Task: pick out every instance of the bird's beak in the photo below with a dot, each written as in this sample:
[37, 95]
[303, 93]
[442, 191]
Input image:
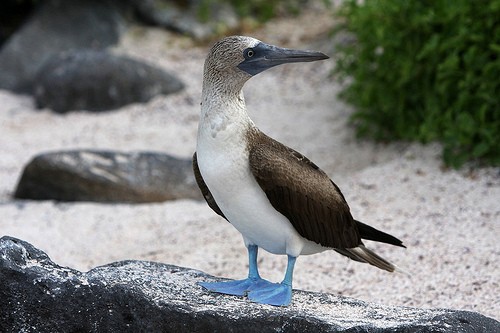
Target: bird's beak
[264, 56]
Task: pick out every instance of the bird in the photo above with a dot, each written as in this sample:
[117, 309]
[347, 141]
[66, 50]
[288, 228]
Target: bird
[278, 199]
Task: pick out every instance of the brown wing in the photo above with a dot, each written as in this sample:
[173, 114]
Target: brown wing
[204, 188]
[303, 193]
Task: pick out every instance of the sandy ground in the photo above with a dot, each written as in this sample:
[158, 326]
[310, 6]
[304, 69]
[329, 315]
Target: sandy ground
[450, 220]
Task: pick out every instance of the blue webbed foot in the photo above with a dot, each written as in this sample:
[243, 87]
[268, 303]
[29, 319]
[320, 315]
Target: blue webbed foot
[257, 289]
[236, 287]
[278, 294]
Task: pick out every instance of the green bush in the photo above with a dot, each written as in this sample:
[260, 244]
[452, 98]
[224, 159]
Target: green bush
[425, 70]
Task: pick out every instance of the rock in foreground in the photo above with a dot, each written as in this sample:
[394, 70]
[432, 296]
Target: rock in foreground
[37, 295]
[106, 176]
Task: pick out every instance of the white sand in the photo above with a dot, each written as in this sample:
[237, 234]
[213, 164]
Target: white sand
[450, 220]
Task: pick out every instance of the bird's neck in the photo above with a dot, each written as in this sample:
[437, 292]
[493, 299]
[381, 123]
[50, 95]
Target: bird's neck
[223, 112]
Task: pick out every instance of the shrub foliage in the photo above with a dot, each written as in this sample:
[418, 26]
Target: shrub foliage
[425, 70]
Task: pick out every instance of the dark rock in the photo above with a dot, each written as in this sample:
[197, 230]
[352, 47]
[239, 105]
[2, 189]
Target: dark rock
[54, 27]
[106, 176]
[198, 19]
[37, 295]
[13, 13]
[98, 80]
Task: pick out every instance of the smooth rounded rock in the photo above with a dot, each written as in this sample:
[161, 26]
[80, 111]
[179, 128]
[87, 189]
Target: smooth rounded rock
[98, 80]
[106, 176]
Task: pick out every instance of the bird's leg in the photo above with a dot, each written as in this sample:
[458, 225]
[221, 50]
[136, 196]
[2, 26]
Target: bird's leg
[241, 287]
[279, 294]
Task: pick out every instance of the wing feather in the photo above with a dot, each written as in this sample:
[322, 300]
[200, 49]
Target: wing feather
[302, 192]
[204, 188]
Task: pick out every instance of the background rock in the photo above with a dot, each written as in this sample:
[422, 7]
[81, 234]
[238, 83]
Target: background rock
[54, 27]
[106, 176]
[13, 13]
[185, 16]
[36, 295]
[98, 80]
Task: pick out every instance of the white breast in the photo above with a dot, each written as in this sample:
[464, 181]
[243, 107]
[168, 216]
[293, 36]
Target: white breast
[223, 162]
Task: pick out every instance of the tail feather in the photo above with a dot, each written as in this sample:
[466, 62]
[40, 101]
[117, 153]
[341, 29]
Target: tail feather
[370, 233]
[363, 254]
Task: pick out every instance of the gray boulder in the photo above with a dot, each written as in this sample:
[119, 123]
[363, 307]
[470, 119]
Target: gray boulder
[199, 19]
[57, 26]
[97, 80]
[37, 295]
[106, 176]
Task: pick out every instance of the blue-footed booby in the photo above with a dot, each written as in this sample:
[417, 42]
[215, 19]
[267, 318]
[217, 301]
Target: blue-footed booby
[274, 196]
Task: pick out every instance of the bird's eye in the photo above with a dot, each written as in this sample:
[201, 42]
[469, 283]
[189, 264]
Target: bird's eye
[250, 53]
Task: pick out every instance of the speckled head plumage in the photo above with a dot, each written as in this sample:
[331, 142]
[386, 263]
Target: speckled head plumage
[226, 54]
[223, 60]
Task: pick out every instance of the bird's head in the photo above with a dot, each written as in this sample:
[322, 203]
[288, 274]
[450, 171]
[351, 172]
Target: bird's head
[238, 58]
